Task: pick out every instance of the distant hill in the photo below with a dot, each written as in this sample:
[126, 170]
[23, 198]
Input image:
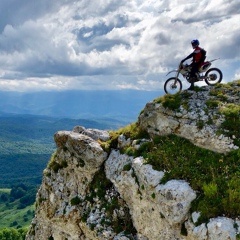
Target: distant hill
[122, 105]
[26, 144]
[28, 122]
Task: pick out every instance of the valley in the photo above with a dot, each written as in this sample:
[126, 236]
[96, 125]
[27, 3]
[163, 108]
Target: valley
[26, 145]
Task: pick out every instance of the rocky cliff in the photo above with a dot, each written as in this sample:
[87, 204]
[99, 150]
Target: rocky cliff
[121, 185]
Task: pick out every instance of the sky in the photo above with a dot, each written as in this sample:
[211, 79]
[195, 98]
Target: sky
[49, 45]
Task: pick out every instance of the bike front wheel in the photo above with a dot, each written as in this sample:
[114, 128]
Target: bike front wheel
[170, 87]
[213, 76]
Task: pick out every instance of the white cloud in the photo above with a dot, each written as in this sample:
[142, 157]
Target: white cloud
[109, 44]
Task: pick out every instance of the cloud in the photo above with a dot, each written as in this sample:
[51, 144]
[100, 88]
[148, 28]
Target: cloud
[110, 44]
[15, 12]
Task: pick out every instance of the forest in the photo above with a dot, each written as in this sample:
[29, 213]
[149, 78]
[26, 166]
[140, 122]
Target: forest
[26, 145]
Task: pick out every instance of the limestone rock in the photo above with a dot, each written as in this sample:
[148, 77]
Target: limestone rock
[65, 183]
[88, 193]
[93, 133]
[158, 120]
[175, 198]
[221, 228]
[164, 206]
[157, 211]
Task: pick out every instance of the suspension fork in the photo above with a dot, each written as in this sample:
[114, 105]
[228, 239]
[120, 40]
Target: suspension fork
[176, 78]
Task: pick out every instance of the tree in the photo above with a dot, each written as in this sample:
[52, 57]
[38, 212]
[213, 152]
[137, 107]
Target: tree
[4, 197]
[11, 234]
[17, 192]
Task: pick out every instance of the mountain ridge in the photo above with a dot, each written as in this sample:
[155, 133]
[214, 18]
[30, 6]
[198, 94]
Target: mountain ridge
[124, 104]
[174, 174]
[27, 141]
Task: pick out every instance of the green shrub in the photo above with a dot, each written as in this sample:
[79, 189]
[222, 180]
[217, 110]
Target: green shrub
[210, 190]
[131, 131]
[172, 102]
[153, 195]
[231, 201]
[231, 125]
[129, 151]
[127, 167]
[143, 149]
[200, 124]
[212, 103]
[199, 89]
[54, 165]
[75, 201]
[13, 234]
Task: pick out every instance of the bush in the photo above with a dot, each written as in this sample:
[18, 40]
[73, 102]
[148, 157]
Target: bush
[17, 192]
[230, 127]
[172, 102]
[75, 201]
[13, 234]
[4, 197]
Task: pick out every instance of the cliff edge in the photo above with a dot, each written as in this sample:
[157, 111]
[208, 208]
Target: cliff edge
[174, 174]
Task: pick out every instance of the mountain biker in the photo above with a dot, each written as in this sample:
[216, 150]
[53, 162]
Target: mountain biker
[198, 55]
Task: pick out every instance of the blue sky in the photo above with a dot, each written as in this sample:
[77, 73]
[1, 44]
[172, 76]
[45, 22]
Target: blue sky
[111, 44]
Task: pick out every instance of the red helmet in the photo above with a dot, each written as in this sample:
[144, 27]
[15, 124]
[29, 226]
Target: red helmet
[195, 43]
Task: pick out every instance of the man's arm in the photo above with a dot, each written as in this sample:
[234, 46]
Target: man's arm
[189, 56]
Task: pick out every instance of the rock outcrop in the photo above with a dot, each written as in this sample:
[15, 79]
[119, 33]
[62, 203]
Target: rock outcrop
[195, 119]
[90, 193]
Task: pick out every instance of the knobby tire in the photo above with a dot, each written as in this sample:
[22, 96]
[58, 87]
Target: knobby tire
[169, 85]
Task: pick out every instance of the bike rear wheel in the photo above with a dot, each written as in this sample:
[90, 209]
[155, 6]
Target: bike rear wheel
[213, 76]
[170, 87]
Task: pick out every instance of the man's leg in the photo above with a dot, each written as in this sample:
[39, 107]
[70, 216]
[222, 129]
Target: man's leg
[193, 75]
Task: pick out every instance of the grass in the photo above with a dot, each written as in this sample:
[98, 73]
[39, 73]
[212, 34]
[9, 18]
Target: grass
[215, 177]
[5, 190]
[230, 127]
[13, 212]
[11, 216]
[131, 131]
[170, 101]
